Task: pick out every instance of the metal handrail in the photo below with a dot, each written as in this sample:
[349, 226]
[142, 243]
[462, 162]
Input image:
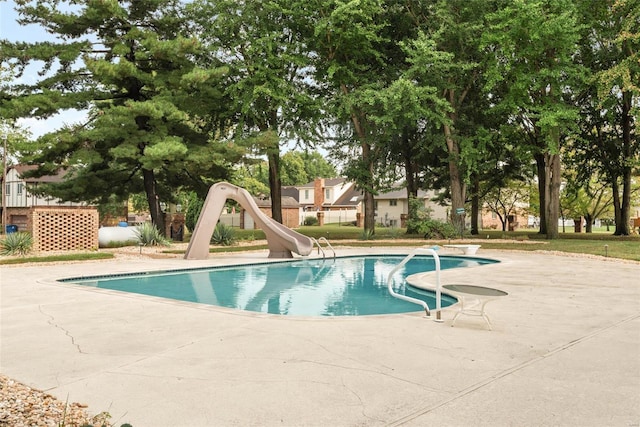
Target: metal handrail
[319, 247]
[424, 305]
[324, 239]
[317, 242]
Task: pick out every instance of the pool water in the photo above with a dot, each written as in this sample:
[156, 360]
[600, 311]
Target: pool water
[346, 286]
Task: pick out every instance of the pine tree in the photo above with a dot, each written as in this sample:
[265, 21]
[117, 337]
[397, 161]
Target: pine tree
[153, 115]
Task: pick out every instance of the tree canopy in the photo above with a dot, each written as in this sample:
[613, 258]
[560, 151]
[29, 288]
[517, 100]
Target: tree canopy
[464, 96]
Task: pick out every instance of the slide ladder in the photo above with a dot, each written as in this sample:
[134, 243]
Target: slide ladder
[390, 282]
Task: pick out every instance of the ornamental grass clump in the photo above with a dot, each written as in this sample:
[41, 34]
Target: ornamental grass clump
[19, 243]
[223, 235]
[149, 235]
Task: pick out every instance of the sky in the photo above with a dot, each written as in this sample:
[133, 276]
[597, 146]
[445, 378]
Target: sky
[12, 31]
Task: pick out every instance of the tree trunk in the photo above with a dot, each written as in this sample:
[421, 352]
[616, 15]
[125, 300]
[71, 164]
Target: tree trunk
[589, 220]
[542, 185]
[275, 185]
[552, 194]
[458, 188]
[617, 211]
[410, 168]
[157, 216]
[623, 227]
[475, 206]
[369, 203]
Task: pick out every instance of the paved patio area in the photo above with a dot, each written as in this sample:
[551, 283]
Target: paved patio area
[564, 351]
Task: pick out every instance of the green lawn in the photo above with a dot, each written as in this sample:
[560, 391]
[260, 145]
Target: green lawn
[601, 243]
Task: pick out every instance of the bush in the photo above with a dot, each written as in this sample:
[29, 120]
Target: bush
[19, 243]
[434, 229]
[223, 235]
[194, 206]
[310, 220]
[149, 235]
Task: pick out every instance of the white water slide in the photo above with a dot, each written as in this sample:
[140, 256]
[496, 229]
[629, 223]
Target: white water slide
[281, 239]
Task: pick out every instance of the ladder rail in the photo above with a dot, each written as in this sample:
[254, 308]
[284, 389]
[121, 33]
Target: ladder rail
[321, 249]
[325, 240]
[315, 241]
[391, 281]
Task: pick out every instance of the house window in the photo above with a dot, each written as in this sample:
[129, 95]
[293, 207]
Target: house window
[375, 205]
[306, 194]
[20, 186]
[393, 202]
[327, 194]
[7, 189]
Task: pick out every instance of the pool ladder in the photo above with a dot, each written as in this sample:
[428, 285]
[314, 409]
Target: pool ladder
[320, 249]
[390, 282]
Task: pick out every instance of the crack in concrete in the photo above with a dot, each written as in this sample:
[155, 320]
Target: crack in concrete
[51, 321]
[511, 370]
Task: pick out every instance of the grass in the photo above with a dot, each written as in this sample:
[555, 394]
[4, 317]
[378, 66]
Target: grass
[601, 243]
[59, 258]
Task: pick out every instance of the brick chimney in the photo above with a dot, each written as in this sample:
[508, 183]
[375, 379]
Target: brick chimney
[318, 193]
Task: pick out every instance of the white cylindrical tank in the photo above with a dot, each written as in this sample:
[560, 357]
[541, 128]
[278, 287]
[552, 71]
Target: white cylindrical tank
[107, 235]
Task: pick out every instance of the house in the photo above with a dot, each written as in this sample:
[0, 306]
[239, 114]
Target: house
[340, 201]
[53, 224]
[329, 194]
[19, 199]
[392, 207]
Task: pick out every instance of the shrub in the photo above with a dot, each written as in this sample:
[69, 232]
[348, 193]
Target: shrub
[434, 229]
[310, 220]
[149, 235]
[19, 243]
[194, 206]
[223, 235]
[418, 215]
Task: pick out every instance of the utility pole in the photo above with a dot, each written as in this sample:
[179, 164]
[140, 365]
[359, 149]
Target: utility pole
[4, 184]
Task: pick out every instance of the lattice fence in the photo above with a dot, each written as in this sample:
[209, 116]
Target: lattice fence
[62, 229]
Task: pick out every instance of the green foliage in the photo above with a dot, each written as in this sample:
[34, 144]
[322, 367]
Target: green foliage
[153, 111]
[223, 235]
[435, 229]
[420, 222]
[19, 243]
[193, 208]
[367, 235]
[149, 235]
[418, 214]
[310, 220]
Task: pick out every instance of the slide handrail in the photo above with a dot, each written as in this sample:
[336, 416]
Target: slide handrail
[424, 305]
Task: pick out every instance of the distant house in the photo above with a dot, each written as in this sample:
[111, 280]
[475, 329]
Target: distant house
[54, 224]
[340, 200]
[392, 207]
[327, 194]
[19, 194]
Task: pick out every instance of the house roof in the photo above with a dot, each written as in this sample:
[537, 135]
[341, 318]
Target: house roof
[291, 191]
[287, 202]
[351, 197]
[21, 169]
[328, 182]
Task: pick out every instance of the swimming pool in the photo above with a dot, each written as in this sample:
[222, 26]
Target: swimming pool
[345, 286]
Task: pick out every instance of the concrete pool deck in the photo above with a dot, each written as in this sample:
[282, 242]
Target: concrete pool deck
[564, 351]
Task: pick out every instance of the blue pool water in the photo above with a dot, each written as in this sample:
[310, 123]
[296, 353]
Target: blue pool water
[349, 286]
